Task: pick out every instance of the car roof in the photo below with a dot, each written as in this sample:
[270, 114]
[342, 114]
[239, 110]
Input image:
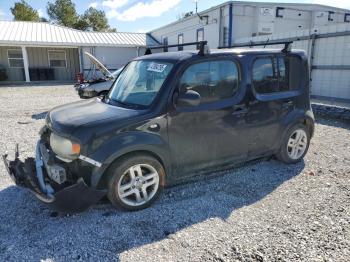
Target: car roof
[184, 55]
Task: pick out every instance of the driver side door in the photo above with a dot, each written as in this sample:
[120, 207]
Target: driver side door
[211, 133]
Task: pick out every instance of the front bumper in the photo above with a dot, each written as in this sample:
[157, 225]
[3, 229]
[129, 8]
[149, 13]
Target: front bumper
[32, 174]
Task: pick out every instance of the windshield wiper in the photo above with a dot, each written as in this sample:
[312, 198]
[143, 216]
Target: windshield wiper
[126, 105]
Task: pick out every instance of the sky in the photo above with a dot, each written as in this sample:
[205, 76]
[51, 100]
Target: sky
[144, 15]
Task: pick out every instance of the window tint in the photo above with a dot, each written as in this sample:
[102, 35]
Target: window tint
[290, 79]
[283, 74]
[264, 79]
[213, 80]
[277, 75]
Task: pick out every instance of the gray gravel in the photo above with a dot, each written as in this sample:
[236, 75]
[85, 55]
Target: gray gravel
[264, 211]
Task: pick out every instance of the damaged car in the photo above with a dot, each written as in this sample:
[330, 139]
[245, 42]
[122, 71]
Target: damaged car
[100, 86]
[168, 117]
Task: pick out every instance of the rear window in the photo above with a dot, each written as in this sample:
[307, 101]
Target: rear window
[276, 74]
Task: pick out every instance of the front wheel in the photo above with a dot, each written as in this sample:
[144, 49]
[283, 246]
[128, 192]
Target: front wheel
[135, 182]
[294, 145]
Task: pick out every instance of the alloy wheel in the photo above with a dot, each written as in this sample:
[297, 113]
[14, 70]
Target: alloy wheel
[138, 185]
[297, 144]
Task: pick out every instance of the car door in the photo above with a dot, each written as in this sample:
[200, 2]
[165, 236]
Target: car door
[271, 102]
[211, 133]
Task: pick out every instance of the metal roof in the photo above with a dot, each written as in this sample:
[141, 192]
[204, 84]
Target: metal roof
[45, 34]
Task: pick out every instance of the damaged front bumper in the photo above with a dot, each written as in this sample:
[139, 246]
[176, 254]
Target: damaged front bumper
[32, 174]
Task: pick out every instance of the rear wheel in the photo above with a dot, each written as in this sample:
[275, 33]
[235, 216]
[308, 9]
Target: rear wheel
[135, 182]
[295, 145]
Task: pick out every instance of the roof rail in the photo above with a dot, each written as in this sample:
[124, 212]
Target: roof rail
[202, 46]
[287, 45]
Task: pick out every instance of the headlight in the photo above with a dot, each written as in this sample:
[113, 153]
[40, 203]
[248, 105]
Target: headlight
[64, 147]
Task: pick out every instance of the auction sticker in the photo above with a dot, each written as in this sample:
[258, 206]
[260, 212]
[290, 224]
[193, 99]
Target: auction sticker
[155, 67]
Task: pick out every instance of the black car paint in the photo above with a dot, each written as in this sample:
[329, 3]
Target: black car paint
[184, 140]
[244, 127]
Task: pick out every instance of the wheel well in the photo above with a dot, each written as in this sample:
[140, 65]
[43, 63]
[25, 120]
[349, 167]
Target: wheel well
[102, 184]
[308, 123]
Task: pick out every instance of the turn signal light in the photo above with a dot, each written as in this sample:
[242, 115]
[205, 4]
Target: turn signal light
[76, 148]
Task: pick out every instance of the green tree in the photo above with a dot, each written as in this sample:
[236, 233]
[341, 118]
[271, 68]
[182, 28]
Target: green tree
[96, 20]
[81, 24]
[24, 12]
[63, 12]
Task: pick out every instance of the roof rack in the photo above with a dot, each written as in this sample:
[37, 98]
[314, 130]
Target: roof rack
[287, 45]
[202, 46]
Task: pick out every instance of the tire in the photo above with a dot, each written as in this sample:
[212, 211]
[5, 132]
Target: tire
[129, 190]
[295, 145]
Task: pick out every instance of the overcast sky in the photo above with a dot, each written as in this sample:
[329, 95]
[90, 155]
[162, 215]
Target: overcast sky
[144, 15]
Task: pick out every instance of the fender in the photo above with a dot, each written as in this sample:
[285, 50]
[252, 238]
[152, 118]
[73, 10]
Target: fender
[295, 117]
[125, 143]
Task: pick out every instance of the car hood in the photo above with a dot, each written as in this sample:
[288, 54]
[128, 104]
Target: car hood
[66, 119]
[99, 65]
[100, 86]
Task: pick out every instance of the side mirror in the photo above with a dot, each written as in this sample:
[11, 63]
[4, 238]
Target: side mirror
[189, 98]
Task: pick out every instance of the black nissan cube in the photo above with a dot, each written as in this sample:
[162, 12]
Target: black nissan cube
[167, 117]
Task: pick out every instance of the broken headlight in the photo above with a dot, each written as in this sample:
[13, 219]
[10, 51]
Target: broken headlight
[64, 148]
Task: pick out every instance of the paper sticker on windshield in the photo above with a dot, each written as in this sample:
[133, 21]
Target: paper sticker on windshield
[155, 67]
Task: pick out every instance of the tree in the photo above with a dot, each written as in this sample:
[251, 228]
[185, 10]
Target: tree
[96, 20]
[63, 12]
[24, 12]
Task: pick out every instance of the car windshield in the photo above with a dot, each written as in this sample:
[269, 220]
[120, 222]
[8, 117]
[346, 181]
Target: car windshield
[139, 83]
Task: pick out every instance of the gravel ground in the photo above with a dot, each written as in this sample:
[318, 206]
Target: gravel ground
[265, 211]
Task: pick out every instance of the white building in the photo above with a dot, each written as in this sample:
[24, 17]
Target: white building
[322, 31]
[223, 24]
[34, 51]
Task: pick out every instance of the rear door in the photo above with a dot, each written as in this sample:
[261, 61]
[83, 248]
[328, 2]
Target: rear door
[275, 88]
[211, 133]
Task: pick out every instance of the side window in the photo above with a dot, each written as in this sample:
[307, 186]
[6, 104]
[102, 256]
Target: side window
[15, 58]
[290, 72]
[213, 80]
[264, 78]
[277, 75]
[283, 74]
